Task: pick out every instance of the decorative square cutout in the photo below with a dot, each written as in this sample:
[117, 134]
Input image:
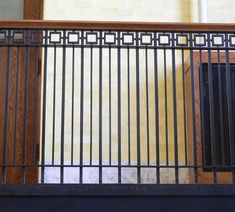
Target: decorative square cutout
[55, 37]
[232, 40]
[109, 38]
[36, 37]
[146, 39]
[217, 40]
[73, 37]
[199, 40]
[91, 38]
[181, 40]
[128, 39]
[164, 39]
[3, 36]
[18, 36]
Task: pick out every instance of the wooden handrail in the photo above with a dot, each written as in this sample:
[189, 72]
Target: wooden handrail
[148, 26]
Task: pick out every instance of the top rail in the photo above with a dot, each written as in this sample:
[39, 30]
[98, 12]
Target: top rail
[115, 25]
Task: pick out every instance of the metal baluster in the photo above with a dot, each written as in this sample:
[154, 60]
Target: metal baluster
[203, 128]
[25, 131]
[147, 103]
[128, 106]
[100, 108]
[119, 109]
[72, 107]
[63, 109]
[110, 107]
[36, 94]
[166, 107]
[16, 105]
[6, 119]
[54, 105]
[44, 109]
[175, 113]
[221, 108]
[193, 110]
[81, 109]
[91, 105]
[156, 110]
[229, 105]
[212, 111]
[184, 109]
[138, 109]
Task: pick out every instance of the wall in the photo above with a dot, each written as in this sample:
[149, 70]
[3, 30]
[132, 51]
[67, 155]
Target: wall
[11, 9]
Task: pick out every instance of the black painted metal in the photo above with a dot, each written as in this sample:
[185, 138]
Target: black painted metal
[145, 54]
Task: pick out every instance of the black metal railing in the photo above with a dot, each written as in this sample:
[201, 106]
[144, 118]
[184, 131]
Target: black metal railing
[91, 105]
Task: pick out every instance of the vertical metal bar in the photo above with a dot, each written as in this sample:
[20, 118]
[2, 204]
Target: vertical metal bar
[184, 109]
[44, 109]
[25, 132]
[63, 109]
[138, 109]
[119, 108]
[72, 109]
[54, 105]
[175, 113]
[147, 103]
[110, 107]
[156, 110]
[81, 109]
[193, 110]
[91, 105]
[35, 106]
[166, 107]
[212, 111]
[100, 107]
[16, 106]
[221, 108]
[229, 105]
[202, 110]
[128, 106]
[6, 120]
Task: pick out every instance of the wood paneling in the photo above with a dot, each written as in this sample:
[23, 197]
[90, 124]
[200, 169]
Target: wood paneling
[20, 148]
[203, 177]
[33, 10]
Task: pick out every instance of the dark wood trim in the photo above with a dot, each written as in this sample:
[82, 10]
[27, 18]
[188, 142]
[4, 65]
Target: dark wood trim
[60, 24]
[33, 10]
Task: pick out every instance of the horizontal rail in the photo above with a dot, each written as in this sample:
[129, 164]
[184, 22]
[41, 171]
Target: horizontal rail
[117, 190]
[116, 25]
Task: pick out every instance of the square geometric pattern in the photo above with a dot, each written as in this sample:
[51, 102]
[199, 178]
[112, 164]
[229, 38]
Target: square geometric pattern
[3, 37]
[18, 37]
[117, 38]
[73, 38]
[55, 37]
[164, 39]
[91, 38]
[231, 40]
[217, 40]
[110, 38]
[200, 39]
[127, 38]
[146, 39]
[36, 37]
[182, 39]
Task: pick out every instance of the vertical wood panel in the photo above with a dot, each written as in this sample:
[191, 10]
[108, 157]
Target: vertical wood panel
[32, 10]
[204, 177]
